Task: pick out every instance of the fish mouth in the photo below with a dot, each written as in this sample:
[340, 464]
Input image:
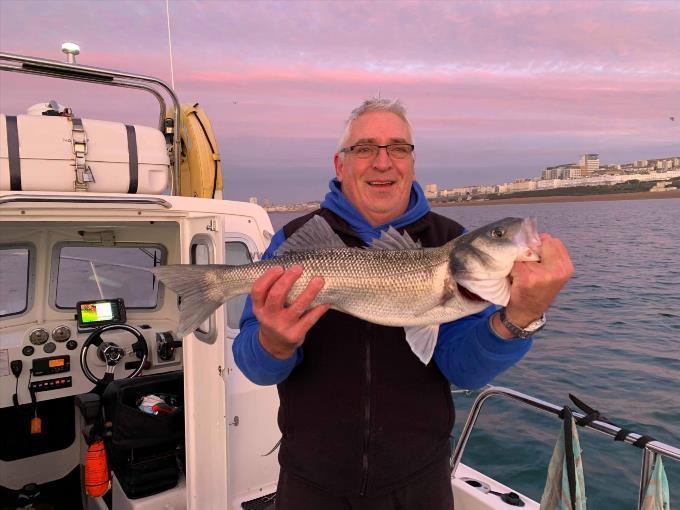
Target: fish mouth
[529, 241]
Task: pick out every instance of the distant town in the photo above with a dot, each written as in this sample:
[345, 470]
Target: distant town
[585, 177]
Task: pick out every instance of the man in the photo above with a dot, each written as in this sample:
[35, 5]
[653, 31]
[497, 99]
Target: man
[365, 425]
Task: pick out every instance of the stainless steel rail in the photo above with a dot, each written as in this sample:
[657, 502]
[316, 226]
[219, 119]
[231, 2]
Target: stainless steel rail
[650, 450]
[88, 198]
[55, 69]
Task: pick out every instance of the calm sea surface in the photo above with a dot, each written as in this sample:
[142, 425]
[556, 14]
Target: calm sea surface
[613, 340]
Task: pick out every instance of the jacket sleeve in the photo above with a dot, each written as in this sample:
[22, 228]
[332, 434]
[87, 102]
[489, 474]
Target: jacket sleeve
[251, 358]
[470, 354]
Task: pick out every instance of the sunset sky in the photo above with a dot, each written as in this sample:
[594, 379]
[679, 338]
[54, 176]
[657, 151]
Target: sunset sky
[495, 90]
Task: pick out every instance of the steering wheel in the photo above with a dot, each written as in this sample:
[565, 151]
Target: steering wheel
[112, 353]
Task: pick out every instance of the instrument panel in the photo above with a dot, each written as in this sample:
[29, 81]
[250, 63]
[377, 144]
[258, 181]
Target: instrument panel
[44, 359]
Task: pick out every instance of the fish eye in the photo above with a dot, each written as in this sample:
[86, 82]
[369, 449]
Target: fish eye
[498, 232]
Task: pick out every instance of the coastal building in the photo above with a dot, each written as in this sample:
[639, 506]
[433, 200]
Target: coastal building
[565, 171]
[431, 191]
[521, 185]
[610, 170]
[664, 164]
[609, 180]
[518, 185]
[588, 172]
[571, 175]
[590, 164]
[293, 207]
[468, 192]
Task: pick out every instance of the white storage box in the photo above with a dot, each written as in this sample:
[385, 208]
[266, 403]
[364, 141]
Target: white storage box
[37, 154]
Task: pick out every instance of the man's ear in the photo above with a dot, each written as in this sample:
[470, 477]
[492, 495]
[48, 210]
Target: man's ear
[339, 163]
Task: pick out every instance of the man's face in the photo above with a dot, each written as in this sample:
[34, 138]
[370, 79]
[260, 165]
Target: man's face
[378, 187]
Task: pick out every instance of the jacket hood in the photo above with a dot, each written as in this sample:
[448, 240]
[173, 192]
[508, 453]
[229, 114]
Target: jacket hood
[337, 202]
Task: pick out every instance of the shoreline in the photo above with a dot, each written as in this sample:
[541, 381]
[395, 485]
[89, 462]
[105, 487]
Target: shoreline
[645, 195]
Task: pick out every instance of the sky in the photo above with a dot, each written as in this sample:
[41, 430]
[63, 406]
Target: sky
[495, 91]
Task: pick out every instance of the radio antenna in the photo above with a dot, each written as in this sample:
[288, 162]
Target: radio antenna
[172, 70]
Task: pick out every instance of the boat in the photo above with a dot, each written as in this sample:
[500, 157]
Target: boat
[89, 361]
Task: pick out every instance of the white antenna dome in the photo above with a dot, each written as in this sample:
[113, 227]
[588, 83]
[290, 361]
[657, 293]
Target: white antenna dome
[71, 49]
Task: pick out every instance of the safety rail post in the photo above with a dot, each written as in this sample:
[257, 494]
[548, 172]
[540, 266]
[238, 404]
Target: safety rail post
[648, 459]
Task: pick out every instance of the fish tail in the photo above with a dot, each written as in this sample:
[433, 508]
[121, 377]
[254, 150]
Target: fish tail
[200, 290]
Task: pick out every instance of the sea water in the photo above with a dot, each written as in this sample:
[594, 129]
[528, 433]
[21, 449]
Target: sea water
[612, 340]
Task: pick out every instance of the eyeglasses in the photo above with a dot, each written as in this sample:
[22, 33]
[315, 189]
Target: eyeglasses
[371, 150]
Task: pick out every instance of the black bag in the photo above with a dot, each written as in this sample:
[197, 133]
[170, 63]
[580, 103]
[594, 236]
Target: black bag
[145, 451]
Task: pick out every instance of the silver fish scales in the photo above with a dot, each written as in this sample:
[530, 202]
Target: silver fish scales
[395, 283]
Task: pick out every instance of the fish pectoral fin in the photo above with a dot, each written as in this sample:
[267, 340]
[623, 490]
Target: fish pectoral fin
[313, 235]
[391, 239]
[422, 340]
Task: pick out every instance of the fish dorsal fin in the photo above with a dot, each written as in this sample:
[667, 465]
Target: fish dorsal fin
[313, 235]
[391, 239]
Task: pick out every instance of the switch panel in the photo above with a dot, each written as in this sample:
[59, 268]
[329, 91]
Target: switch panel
[51, 384]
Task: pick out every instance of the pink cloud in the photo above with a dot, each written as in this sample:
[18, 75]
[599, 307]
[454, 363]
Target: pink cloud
[517, 78]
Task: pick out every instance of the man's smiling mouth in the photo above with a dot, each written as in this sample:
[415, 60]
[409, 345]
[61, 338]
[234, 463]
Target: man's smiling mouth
[380, 183]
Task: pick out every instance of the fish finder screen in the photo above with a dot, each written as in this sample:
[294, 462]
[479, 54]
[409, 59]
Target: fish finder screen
[96, 312]
[101, 312]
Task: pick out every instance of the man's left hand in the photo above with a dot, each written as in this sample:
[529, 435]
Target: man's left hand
[534, 285]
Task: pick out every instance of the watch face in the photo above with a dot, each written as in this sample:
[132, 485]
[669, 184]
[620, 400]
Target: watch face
[536, 325]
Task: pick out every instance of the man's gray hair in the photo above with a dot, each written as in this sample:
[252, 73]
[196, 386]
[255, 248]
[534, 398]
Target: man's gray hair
[374, 104]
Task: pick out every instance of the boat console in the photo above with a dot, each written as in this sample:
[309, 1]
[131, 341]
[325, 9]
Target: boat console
[48, 358]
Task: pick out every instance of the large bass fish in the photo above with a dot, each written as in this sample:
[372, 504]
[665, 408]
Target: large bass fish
[394, 282]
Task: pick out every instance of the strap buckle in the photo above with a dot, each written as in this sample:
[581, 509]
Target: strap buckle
[79, 144]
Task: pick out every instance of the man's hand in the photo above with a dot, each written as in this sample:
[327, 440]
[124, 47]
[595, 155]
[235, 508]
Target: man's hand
[283, 328]
[535, 284]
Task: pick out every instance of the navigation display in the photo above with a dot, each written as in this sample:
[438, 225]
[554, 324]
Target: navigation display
[92, 314]
[96, 312]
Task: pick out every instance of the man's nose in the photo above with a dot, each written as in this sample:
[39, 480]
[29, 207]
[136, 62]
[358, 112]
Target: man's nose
[382, 159]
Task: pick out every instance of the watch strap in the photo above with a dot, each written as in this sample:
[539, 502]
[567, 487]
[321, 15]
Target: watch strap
[526, 332]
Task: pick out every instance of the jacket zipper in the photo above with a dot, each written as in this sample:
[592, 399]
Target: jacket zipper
[367, 414]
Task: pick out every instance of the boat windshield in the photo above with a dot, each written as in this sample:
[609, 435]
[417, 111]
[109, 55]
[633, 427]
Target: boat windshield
[14, 265]
[106, 272]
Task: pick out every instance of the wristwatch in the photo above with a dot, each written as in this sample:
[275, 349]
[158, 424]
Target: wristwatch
[525, 332]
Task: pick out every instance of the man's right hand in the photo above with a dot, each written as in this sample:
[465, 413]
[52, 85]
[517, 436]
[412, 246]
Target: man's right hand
[283, 328]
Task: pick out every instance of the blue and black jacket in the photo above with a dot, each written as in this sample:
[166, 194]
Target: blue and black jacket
[359, 413]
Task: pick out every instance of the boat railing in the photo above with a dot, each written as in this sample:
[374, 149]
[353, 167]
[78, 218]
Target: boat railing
[90, 198]
[650, 449]
[71, 71]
